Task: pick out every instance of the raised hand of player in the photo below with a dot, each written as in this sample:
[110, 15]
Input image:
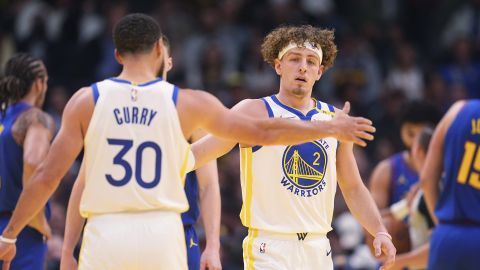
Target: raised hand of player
[210, 260]
[383, 244]
[352, 129]
[7, 253]
[68, 262]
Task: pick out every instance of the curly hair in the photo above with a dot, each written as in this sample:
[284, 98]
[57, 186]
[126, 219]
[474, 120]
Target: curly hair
[280, 37]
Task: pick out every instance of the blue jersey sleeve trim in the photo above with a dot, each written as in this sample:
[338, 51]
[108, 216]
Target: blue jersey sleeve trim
[175, 95]
[269, 109]
[96, 94]
[331, 108]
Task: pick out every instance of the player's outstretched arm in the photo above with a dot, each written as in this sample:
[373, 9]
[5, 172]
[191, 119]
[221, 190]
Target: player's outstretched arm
[74, 223]
[432, 170]
[211, 147]
[46, 178]
[198, 109]
[361, 204]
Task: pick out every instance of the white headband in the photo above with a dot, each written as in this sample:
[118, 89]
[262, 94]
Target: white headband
[308, 45]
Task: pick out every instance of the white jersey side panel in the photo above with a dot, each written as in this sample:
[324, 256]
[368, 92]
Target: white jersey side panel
[135, 152]
[290, 189]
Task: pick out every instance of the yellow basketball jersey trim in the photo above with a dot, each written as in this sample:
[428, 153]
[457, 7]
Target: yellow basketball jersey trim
[248, 249]
[242, 180]
[246, 156]
[320, 110]
[325, 112]
[183, 170]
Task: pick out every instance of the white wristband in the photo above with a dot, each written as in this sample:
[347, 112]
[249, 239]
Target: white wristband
[7, 240]
[400, 209]
[384, 234]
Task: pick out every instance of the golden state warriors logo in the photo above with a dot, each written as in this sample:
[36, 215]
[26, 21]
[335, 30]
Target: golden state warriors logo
[304, 167]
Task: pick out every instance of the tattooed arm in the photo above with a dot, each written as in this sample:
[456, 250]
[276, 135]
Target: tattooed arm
[33, 118]
[34, 130]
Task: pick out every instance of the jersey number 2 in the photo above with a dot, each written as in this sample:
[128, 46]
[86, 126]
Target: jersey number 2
[119, 160]
[471, 155]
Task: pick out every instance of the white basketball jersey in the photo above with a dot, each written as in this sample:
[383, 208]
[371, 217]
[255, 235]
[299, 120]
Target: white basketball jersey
[290, 189]
[135, 152]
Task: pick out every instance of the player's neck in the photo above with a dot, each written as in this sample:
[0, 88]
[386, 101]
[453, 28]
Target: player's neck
[302, 103]
[138, 72]
[30, 99]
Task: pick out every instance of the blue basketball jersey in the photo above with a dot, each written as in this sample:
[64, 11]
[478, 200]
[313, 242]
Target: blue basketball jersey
[191, 190]
[459, 200]
[11, 159]
[402, 178]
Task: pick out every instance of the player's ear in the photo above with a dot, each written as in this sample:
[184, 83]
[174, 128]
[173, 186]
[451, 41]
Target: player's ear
[278, 66]
[320, 72]
[118, 57]
[169, 64]
[37, 85]
[158, 47]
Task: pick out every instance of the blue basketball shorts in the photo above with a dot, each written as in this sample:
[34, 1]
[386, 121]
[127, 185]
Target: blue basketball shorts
[454, 247]
[31, 249]
[193, 248]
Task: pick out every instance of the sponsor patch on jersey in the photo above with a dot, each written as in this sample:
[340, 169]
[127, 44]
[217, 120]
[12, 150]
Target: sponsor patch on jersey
[304, 168]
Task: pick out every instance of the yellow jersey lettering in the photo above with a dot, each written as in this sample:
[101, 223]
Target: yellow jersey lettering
[466, 171]
[475, 126]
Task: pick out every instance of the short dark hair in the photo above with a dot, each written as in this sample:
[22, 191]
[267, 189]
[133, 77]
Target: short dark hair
[136, 33]
[20, 72]
[419, 112]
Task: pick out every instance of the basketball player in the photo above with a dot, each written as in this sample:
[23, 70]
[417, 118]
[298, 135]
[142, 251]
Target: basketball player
[393, 177]
[134, 129]
[454, 157]
[200, 185]
[288, 191]
[25, 135]
[420, 222]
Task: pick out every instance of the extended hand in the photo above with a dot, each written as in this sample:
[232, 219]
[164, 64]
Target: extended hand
[7, 252]
[352, 129]
[210, 260]
[383, 244]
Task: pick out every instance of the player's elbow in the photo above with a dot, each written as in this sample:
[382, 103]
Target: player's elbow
[43, 179]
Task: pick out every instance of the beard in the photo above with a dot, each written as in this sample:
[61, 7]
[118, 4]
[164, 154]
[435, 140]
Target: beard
[41, 99]
[298, 91]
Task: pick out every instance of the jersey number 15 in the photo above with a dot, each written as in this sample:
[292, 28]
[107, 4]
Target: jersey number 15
[466, 171]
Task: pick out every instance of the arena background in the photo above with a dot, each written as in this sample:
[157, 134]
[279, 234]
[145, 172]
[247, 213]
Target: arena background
[390, 52]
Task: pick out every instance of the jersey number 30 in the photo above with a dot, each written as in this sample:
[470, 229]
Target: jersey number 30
[471, 155]
[119, 160]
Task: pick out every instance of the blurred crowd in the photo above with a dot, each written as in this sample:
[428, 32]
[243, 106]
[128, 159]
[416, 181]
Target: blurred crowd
[390, 52]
